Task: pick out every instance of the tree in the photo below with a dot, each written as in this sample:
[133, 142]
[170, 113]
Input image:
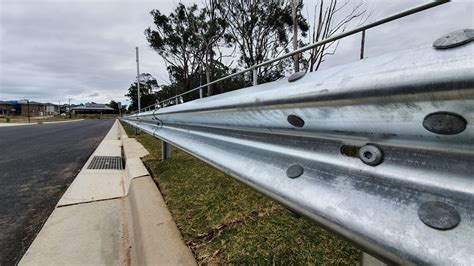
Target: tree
[294, 17]
[174, 39]
[330, 20]
[211, 33]
[113, 104]
[148, 95]
[260, 30]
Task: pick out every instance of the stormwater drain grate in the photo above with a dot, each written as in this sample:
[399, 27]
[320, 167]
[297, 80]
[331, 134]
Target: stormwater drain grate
[106, 162]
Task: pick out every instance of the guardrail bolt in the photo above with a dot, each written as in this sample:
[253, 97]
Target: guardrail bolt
[295, 121]
[371, 155]
[444, 123]
[439, 215]
[296, 76]
[294, 171]
[454, 39]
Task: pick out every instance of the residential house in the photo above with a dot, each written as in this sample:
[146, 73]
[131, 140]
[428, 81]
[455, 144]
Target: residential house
[51, 109]
[6, 109]
[93, 108]
[34, 108]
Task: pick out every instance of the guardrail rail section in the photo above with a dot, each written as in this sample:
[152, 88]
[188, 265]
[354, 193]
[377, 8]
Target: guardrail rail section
[379, 151]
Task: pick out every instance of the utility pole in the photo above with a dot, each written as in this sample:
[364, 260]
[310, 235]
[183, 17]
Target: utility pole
[362, 45]
[69, 108]
[138, 79]
[28, 104]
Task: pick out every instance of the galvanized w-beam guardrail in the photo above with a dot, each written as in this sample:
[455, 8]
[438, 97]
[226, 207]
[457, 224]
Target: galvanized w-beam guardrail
[380, 151]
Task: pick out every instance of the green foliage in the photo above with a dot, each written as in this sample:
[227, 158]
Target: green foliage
[195, 41]
[174, 40]
[114, 104]
[147, 94]
[261, 31]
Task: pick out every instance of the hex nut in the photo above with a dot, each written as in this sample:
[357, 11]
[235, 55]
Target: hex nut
[371, 155]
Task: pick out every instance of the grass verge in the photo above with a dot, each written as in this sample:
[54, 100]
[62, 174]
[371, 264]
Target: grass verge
[224, 221]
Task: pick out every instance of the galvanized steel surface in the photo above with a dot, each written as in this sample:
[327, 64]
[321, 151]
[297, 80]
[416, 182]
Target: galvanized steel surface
[382, 104]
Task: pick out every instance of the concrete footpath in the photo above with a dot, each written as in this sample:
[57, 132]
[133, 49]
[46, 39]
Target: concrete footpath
[36, 123]
[111, 216]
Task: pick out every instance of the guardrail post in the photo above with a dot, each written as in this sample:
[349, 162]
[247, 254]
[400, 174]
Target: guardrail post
[200, 93]
[165, 150]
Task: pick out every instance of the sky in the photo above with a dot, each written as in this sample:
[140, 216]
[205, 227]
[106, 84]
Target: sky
[53, 50]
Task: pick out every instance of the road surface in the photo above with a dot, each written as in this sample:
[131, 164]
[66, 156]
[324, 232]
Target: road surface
[37, 164]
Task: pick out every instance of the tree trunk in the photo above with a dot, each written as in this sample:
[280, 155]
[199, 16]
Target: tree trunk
[296, 57]
[209, 73]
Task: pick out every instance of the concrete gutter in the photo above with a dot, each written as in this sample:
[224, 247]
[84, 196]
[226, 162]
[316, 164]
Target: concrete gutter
[111, 217]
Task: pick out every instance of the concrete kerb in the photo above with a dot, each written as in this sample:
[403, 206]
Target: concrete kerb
[109, 217]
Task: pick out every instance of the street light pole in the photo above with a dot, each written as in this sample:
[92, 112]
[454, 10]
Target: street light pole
[138, 79]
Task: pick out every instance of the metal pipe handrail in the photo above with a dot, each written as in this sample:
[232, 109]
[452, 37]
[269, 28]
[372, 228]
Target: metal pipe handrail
[384, 20]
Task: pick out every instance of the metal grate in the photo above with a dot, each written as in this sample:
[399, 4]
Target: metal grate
[106, 162]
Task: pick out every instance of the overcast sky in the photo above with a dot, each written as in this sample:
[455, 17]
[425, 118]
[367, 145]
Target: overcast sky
[85, 50]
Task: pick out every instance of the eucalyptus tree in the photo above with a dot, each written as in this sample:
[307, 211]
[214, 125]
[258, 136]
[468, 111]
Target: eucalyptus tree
[148, 92]
[331, 18]
[174, 39]
[261, 30]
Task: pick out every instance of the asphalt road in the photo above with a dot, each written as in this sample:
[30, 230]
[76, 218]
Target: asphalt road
[37, 164]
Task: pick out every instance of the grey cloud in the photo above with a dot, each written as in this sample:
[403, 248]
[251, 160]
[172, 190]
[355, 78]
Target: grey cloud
[53, 50]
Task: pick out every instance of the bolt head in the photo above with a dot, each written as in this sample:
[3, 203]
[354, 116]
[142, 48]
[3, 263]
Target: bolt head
[296, 76]
[444, 123]
[439, 215]
[295, 120]
[294, 171]
[454, 39]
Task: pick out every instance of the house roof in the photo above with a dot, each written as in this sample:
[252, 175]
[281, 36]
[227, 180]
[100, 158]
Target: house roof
[32, 103]
[94, 106]
[3, 102]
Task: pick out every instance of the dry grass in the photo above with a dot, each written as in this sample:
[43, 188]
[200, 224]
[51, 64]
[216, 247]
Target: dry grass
[224, 221]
